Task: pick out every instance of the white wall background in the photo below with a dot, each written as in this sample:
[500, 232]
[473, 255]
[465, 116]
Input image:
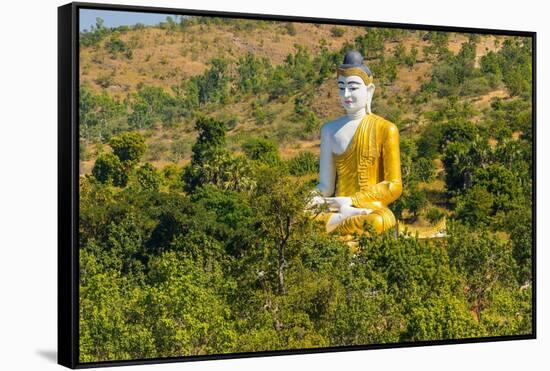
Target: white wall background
[28, 183]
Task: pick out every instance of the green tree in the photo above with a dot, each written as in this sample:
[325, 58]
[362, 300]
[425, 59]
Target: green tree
[509, 312]
[151, 104]
[148, 178]
[260, 149]
[281, 202]
[100, 115]
[96, 33]
[502, 184]
[109, 169]
[519, 224]
[185, 313]
[428, 141]
[212, 164]
[128, 147]
[440, 317]
[416, 201]
[484, 260]
[462, 159]
[252, 73]
[475, 206]
[142, 115]
[371, 44]
[303, 163]
[424, 170]
[210, 139]
[109, 306]
[213, 85]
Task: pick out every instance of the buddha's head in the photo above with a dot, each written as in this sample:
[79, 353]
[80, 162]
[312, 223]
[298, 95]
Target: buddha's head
[355, 83]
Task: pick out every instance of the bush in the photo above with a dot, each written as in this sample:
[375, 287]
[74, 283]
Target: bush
[156, 150]
[262, 115]
[148, 178]
[290, 28]
[476, 86]
[303, 163]
[179, 149]
[474, 207]
[434, 215]
[105, 80]
[337, 31]
[424, 170]
[264, 150]
[128, 147]
[311, 126]
[109, 169]
[115, 45]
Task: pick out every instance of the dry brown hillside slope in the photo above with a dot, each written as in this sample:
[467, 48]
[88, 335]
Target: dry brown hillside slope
[164, 58]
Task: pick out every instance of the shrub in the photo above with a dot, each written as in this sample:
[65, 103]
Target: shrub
[337, 31]
[263, 150]
[434, 215]
[148, 177]
[109, 169]
[128, 147]
[179, 149]
[105, 80]
[424, 170]
[303, 163]
[476, 86]
[290, 28]
[156, 150]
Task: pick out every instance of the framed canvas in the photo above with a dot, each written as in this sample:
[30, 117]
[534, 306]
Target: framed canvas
[236, 185]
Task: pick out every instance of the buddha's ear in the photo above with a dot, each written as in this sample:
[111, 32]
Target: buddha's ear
[370, 89]
[370, 93]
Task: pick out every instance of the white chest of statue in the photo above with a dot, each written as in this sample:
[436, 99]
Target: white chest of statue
[343, 134]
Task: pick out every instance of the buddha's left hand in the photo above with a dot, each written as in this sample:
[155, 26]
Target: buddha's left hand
[338, 202]
[348, 211]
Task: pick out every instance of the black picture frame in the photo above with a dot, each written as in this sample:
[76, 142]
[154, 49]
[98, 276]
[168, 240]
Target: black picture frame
[68, 178]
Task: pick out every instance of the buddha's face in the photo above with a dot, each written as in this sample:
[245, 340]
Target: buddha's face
[354, 94]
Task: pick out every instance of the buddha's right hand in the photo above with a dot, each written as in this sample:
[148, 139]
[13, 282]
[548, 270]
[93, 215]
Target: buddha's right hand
[315, 201]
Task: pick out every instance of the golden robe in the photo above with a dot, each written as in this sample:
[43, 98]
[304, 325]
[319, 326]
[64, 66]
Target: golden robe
[369, 171]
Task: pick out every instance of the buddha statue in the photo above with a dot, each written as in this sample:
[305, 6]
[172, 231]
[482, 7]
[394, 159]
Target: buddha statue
[360, 170]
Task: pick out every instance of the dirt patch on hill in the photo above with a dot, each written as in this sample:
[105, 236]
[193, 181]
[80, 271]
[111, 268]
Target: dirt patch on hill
[485, 100]
[486, 44]
[412, 78]
[301, 146]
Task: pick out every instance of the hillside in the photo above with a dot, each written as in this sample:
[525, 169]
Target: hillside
[164, 58]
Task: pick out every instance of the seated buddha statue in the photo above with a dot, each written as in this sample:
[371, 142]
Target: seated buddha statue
[360, 171]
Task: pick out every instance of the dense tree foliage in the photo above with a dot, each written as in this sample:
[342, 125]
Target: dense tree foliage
[221, 269]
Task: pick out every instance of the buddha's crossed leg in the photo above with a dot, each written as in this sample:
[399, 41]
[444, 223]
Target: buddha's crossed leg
[380, 219]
